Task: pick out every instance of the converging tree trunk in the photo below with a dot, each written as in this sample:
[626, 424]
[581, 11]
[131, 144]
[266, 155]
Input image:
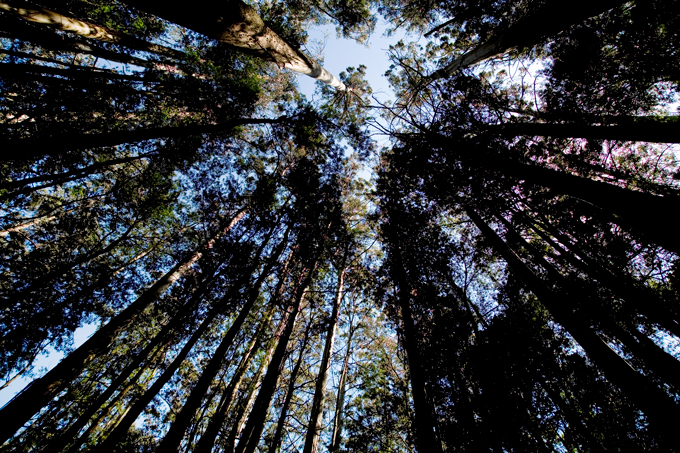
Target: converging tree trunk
[237, 24]
[316, 413]
[39, 392]
[649, 398]
[88, 30]
[550, 19]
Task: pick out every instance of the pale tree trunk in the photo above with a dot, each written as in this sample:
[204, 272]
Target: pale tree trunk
[548, 20]
[26, 225]
[316, 416]
[278, 434]
[237, 24]
[338, 421]
[256, 420]
[88, 30]
[249, 400]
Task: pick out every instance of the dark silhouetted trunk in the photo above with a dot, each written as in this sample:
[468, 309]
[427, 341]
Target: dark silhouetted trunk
[252, 432]
[41, 391]
[649, 398]
[550, 19]
[25, 149]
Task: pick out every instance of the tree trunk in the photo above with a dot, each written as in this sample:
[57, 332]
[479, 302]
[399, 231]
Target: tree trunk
[49, 40]
[255, 382]
[656, 404]
[316, 415]
[275, 443]
[60, 442]
[41, 391]
[425, 430]
[338, 421]
[549, 20]
[650, 215]
[250, 437]
[26, 71]
[61, 178]
[248, 401]
[644, 350]
[640, 131]
[173, 438]
[237, 24]
[644, 301]
[91, 31]
[207, 441]
[25, 149]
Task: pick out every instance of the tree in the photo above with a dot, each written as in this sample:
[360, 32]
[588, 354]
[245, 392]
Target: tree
[510, 283]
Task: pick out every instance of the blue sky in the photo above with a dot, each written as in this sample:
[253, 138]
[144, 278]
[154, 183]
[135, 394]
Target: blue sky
[339, 53]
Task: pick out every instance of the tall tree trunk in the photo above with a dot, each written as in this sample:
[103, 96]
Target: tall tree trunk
[645, 350]
[207, 441]
[550, 19]
[61, 178]
[316, 414]
[60, 442]
[41, 391]
[249, 395]
[50, 40]
[658, 131]
[645, 302]
[102, 403]
[649, 215]
[91, 31]
[426, 435]
[237, 24]
[26, 71]
[173, 438]
[25, 149]
[250, 437]
[24, 295]
[338, 420]
[275, 443]
[656, 404]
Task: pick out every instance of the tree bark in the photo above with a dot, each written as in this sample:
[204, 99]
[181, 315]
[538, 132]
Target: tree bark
[316, 415]
[238, 25]
[25, 149]
[426, 437]
[50, 40]
[275, 443]
[90, 31]
[549, 20]
[644, 350]
[61, 441]
[207, 441]
[645, 302]
[173, 438]
[338, 420]
[249, 396]
[637, 131]
[250, 436]
[61, 178]
[650, 215]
